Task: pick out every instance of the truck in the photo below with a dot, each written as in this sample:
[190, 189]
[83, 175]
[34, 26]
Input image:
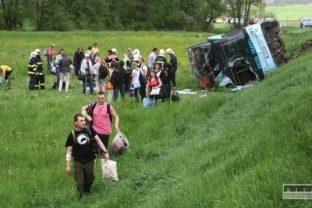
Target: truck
[244, 56]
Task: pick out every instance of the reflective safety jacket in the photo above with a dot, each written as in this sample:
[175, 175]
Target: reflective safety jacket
[32, 66]
[39, 65]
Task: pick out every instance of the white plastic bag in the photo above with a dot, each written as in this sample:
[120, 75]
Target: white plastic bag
[147, 103]
[109, 170]
[119, 143]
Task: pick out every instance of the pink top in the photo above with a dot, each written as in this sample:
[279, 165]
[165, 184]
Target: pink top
[101, 123]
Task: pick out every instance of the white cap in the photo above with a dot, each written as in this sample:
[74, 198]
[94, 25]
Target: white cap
[33, 54]
[87, 55]
[136, 57]
[114, 50]
[136, 52]
[162, 52]
[37, 51]
[169, 50]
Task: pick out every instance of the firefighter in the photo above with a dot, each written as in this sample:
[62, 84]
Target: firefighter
[32, 71]
[161, 59]
[41, 79]
[173, 65]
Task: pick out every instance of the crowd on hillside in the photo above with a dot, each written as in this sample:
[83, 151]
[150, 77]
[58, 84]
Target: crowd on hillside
[128, 75]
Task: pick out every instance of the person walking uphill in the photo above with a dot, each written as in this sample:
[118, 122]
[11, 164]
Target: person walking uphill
[101, 114]
[79, 145]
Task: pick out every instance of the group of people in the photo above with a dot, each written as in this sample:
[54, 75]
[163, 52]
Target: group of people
[80, 141]
[118, 76]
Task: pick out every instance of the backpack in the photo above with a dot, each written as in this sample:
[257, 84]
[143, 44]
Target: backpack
[94, 145]
[45, 52]
[103, 72]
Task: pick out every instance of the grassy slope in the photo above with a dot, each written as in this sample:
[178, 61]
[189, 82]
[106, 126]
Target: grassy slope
[223, 150]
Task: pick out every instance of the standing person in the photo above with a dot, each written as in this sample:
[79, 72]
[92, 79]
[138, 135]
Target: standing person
[85, 69]
[64, 65]
[79, 145]
[173, 65]
[153, 83]
[152, 58]
[95, 48]
[143, 77]
[57, 67]
[78, 57]
[135, 82]
[127, 66]
[101, 114]
[50, 54]
[41, 77]
[5, 72]
[118, 79]
[166, 78]
[123, 79]
[32, 72]
[99, 82]
[161, 58]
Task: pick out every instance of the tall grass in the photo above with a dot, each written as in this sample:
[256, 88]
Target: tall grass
[220, 150]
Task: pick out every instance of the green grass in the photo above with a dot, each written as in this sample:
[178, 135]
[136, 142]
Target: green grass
[222, 150]
[290, 12]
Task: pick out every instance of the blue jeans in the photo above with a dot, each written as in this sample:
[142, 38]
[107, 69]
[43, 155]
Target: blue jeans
[122, 92]
[49, 59]
[87, 81]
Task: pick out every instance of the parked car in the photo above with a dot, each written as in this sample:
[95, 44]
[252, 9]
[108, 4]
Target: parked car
[306, 22]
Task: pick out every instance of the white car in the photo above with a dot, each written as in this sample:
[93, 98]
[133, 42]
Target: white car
[306, 22]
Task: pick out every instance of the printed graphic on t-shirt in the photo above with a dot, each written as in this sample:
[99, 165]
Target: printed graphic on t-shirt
[83, 139]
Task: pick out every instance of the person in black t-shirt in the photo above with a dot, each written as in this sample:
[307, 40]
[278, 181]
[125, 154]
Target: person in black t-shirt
[79, 146]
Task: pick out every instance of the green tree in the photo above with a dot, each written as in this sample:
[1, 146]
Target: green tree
[12, 13]
[240, 10]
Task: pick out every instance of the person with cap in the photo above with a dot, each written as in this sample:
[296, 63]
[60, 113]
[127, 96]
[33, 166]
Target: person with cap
[40, 82]
[5, 72]
[151, 58]
[161, 58]
[173, 65]
[32, 72]
[80, 147]
[88, 73]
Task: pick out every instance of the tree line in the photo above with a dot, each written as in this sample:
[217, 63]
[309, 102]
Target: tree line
[62, 15]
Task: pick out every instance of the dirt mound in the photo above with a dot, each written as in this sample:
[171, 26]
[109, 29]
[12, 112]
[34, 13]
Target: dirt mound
[307, 45]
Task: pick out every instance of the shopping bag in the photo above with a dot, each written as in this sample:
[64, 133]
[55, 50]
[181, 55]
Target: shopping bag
[155, 91]
[131, 92]
[147, 103]
[120, 143]
[109, 170]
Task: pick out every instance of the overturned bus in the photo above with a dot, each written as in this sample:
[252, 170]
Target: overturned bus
[240, 57]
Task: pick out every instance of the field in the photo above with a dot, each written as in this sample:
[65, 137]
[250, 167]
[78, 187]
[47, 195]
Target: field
[220, 150]
[290, 15]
